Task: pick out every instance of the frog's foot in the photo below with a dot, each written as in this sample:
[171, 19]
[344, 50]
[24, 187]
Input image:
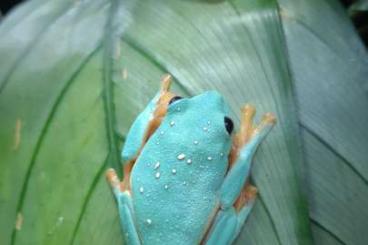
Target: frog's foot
[114, 181]
[248, 131]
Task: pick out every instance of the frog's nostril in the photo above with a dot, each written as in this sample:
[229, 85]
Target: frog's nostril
[229, 125]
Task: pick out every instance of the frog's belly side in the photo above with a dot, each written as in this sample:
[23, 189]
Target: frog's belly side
[171, 205]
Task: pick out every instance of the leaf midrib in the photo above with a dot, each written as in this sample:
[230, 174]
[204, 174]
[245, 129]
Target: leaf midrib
[108, 95]
[112, 158]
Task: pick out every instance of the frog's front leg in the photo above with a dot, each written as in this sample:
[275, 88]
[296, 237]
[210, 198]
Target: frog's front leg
[126, 213]
[245, 145]
[237, 197]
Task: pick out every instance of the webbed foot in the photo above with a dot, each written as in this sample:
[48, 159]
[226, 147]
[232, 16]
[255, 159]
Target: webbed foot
[249, 130]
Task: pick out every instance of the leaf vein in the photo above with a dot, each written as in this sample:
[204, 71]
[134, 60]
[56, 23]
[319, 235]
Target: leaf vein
[87, 199]
[328, 231]
[317, 36]
[273, 224]
[43, 133]
[160, 65]
[339, 155]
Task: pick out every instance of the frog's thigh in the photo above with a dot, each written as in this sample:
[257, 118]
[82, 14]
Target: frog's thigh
[125, 207]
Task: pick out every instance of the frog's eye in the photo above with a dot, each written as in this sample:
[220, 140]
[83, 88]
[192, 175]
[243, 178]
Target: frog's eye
[229, 125]
[175, 98]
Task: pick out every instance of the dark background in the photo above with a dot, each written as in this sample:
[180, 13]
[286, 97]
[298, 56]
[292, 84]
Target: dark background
[359, 18]
[6, 5]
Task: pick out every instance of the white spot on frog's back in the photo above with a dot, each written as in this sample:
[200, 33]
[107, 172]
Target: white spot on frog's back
[172, 123]
[173, 171]
[148, 221]
[189, 161]
[195, 142]
[209, 158]
[157, 165]
[181, 156]
[141, 189]
[157, 175]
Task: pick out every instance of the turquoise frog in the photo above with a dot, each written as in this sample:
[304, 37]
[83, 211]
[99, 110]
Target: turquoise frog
[185, 173]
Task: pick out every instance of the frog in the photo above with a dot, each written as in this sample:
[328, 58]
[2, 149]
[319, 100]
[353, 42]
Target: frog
[185, 172]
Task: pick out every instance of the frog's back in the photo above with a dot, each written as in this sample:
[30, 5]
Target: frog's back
[176, 178]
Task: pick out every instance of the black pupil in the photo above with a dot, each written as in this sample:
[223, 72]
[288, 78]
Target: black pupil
[175, 98]
[229, 125]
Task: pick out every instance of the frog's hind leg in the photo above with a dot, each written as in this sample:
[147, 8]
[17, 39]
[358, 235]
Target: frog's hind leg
[124, 201]
[228, 222]
[244, 147]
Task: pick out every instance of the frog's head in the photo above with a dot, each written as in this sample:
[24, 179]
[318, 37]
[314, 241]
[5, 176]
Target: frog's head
[198, 126]
[204, 117]
[202, 120]
[210, 105]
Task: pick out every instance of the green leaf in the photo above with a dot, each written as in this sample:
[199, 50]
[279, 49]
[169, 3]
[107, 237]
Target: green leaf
[330, 68]
[68, 106]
